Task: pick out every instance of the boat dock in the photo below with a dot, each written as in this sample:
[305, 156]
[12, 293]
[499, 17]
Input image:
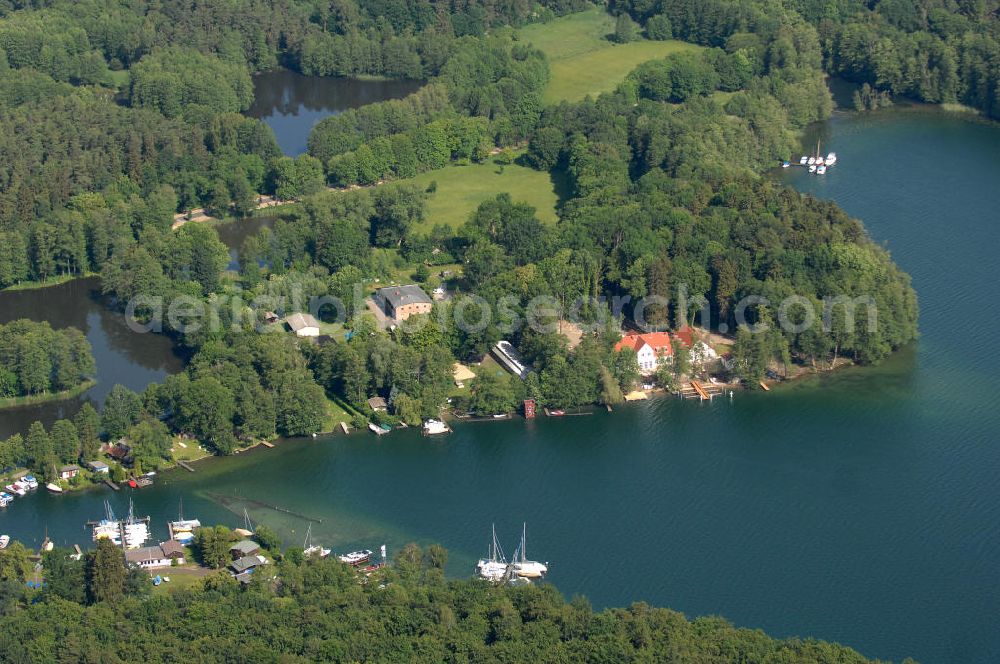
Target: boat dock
[267, 443]
[111, 484]
[700, 391]
[186, 466]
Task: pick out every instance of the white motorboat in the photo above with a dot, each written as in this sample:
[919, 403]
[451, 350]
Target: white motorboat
[529, 569]
[821, 170]
[356, 558]
[812, 160]
[15, 488]
[4, 541]
[831, 159]
[30, 481]
[803, 161]
[5, 499]
[812, 169]
[53, 487]
[435, 427]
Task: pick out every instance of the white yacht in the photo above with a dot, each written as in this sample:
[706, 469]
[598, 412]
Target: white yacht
[435, 427]
[30, 481]
[4, 541]
[821, 170]
[5, 499]
[493, 568]
[831, 159]
[356, 558]
[803, 161]
[529, 569]
[812, 168]
[310, 550]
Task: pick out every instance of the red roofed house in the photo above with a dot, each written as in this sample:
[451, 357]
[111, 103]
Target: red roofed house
[650, 349]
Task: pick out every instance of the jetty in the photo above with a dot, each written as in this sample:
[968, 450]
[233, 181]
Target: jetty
[698, 390]
[764, 386]
[186, 466]
[267, 443]
[111, 484]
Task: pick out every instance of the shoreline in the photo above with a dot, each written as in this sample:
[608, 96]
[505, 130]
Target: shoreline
[11, 403]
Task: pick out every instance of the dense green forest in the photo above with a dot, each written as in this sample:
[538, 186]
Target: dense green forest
[939, 51]
[114, 120]
[35, 359]
[97, 610]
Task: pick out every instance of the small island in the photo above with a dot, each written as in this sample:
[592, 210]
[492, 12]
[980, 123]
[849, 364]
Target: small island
[39, 364]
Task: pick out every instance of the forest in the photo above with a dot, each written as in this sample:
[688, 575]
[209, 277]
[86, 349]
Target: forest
[116, 120]
[98, 610]
[35, 359]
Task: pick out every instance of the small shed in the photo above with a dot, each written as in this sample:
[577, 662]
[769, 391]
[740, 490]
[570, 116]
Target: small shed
[244, 548]
[69, 472]
[270, 317]
[303, 325]
[98, 466]
[378, 404]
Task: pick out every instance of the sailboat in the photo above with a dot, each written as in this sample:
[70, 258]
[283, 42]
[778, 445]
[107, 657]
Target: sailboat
[528, 569]
[108, 527]
[136, 530]
[493, 568]
[182, 525]
[309, 549]
[247, 529]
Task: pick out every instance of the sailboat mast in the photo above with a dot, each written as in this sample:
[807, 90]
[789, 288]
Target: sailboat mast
[524, 537]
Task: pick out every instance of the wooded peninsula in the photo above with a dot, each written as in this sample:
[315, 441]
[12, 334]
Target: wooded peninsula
[115, 118]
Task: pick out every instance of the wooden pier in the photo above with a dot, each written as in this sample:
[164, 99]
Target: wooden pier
[267, 443]
[111, 484]
[186, 466]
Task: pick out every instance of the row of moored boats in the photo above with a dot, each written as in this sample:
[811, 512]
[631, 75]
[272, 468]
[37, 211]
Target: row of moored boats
[816, 164]
[19, 487]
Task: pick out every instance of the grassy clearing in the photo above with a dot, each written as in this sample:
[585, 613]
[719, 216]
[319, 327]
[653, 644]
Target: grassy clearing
[582, 60]
[45, 397]
[460, 190]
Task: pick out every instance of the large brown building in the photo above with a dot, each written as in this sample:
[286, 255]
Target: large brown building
[401, 302]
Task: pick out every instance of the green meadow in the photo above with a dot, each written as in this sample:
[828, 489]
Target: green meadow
[583, 61]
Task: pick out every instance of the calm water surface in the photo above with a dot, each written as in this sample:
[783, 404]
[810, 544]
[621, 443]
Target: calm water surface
[862, 507]
[291, 103]
[134, 360]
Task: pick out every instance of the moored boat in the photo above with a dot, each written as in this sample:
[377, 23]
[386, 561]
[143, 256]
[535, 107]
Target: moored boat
[30, 481]
[820, 170]
[16, 489]
[493, 568]
[812, 161]
[831, 159]
[433, 427]
[310, 550]
[786, 164]
[4, 541]
[812, 169]
[5, 499]
[529, 569]
[803, 161]
[355, 558]
[378, 429]
[53, 487]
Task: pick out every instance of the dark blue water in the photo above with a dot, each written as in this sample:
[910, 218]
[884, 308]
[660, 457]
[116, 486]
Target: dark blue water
[291, 104]
[861, 507]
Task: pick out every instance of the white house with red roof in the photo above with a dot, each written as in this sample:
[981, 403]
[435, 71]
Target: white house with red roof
[650, 349]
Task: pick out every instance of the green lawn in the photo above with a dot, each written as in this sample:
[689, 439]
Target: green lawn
[581, 59]
[460, 190]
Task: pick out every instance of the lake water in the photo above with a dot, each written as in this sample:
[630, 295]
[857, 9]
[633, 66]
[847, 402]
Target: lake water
[291, 103]
[861, 507]
[134, 360]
